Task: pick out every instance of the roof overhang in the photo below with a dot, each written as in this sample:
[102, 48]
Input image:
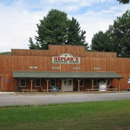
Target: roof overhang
[46, 74]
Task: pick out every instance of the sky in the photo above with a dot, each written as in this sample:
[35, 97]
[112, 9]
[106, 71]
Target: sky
[18, 18]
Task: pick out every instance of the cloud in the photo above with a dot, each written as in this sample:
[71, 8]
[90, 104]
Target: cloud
[18, 19]
[94, 21]
[17, 26]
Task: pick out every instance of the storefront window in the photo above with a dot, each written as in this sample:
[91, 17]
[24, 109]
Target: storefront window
[53, 82]
[37, 82]
[82, 82]
[108, 82]
[22, 82]
[69, 82]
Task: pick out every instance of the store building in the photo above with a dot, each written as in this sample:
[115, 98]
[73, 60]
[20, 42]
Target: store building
[63, 68]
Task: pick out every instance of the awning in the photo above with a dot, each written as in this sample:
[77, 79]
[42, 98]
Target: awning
[26, 74]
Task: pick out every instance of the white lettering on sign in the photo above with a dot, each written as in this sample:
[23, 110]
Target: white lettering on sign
[65, 59]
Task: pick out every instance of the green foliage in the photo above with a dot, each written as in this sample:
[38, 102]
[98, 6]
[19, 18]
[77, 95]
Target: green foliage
[75, 34]
[105, 115]
[101, 42]
[57, 29]
[32, 45]
[116, 38]
[120, 34]
[124, 1]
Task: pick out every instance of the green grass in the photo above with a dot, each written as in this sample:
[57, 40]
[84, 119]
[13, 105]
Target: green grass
[107, 115]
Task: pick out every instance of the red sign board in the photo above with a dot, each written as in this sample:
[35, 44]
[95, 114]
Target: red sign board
[65, 59]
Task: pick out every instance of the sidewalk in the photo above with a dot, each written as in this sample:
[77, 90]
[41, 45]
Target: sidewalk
[7, 93]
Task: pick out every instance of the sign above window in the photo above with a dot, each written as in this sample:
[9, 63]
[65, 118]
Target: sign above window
[65, 58]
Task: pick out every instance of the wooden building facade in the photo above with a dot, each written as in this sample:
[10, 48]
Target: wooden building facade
[69, 68]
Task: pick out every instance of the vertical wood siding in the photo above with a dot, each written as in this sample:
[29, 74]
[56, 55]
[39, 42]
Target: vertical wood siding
[21, 60]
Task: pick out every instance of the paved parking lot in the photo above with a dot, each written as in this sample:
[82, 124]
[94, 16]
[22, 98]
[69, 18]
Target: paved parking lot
[9, 99]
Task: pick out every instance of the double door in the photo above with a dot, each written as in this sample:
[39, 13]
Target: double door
[68, 85]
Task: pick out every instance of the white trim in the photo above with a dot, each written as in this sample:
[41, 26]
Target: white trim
[20, 82]
[82, 84]
[68, 85]
[109, 81]
[35, 82]
[51, 82]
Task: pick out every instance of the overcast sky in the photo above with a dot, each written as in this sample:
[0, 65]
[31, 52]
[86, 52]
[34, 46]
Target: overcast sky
[18, 18]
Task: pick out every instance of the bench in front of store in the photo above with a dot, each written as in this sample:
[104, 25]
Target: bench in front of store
[95, 89]
[29, 90]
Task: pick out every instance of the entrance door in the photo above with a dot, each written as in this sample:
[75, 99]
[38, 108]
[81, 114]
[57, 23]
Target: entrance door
[68, 85]
[0, 83]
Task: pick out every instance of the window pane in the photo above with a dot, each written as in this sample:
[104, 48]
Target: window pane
[22, 82]
[52, 82]
[109, 82]
[82, 82]
[38, 82]
[70, 82]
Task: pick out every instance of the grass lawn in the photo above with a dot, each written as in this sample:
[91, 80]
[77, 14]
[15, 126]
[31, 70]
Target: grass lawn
[106, 115]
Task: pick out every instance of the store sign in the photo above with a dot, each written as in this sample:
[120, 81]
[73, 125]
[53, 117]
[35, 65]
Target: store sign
[65, 58]
[102, 86]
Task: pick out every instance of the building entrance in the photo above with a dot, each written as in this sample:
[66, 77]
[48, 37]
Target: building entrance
[68, 85]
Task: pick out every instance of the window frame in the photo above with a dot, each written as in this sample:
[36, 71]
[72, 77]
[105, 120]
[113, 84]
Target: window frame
[109, 82]
[81, 82]
[36, 82]
[53, 82]
[22, 82]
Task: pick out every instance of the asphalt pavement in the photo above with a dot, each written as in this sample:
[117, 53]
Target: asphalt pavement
[10, 99]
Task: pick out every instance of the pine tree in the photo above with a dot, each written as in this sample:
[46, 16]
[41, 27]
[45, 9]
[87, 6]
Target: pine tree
[101, 42]
[76, 36]
[57, 29]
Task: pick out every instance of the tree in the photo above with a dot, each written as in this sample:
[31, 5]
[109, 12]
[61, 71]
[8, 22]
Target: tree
[56, 29]
[101, 42]
[75, 34]
[120, 34]
[32, 45]
[51, 30]
[116, 38]
[124, 1]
